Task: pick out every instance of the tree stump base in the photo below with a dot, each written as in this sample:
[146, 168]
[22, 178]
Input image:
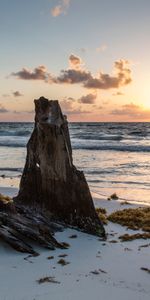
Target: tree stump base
[51, 188]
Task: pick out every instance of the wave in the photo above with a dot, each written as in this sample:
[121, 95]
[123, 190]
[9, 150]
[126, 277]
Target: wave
[144, 184]
[19, 144]
[123, 148]
[15, 133]
[85, 146]
[12, 169]
[97, 138]
[141, 133]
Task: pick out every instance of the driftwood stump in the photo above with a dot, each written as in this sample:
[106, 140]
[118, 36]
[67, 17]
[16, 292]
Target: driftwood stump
[53, 193]
[50, 182]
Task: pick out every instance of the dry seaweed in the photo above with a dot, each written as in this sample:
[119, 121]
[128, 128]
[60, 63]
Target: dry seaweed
[50, 279]
[114, 196]
[73, 236]
[130, 237]
[133, 218]
[125, 203]
[4, 198]
[102, 214]
[63, 262]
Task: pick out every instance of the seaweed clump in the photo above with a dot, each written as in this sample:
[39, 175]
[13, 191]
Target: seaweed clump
[113, 197]
[6, 204]
[102, 214]
[5, 199]
[130, 237]
[133, 218]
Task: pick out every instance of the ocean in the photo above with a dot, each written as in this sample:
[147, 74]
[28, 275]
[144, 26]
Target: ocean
[115, 157]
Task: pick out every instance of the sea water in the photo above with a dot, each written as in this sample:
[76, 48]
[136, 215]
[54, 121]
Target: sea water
[115, 157]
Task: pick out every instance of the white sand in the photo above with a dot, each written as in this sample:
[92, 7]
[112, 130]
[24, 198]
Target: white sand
[122, 262]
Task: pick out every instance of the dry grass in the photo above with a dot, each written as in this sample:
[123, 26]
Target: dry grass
[63, 262]
[50, 279]
[130, 237]
[73, 236]
[125, 203]
[65, 245]
[4, 198]
[102, 214]
[113, 197]
[133, 218]
[62, 255]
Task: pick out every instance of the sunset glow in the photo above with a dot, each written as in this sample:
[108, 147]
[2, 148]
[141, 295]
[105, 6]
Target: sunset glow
[93, 56]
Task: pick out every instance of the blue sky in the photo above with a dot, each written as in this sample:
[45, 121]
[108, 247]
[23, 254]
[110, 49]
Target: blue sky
[98, 32]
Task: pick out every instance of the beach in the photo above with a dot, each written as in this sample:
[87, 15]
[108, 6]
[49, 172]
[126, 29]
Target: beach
[96, 269]
[75, 150]
[91, 267]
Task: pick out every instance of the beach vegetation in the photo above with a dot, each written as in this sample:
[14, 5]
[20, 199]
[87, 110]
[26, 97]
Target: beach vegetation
[102, 214]
[50, 279]
[114, 196]
[63, 262]
[4, 198]
[125, 203]
[130, 237]
[133, 218]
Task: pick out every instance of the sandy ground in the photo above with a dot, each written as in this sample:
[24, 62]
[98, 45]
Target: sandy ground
[96, 269]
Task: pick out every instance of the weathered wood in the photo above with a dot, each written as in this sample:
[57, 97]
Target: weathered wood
[19, 228]
[50, 182]
[9, 237]
[53, 193]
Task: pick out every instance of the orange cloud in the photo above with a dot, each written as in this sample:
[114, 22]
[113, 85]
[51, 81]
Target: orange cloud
[69, 107]
[61, 8]
[76, 74]
[3, 109]
[17, 94]
[118, 94]
[132, 111]
[75, 61]
[88, 99]
[103, 81]
[39, 73]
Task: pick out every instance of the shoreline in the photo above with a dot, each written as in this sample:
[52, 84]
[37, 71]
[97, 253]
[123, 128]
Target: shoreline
[10, 184]
[95, 268]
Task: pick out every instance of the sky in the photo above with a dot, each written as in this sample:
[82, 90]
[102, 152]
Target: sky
[93, 56]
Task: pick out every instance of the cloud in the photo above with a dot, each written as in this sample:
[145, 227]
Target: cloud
[23, 112]
[118, 94]
[75, 61]
[102, 48]
[88, 99]
[72, 76]
[77, 75]
[39, 73]
[83, 50]
[3, 109]
[133, 111]
[104, 81]
[17, 94]
[61, 8]
[6, 95]
[69, 108]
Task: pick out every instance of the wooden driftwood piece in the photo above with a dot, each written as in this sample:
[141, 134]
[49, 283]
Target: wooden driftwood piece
[50, 182]
[19, 227]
